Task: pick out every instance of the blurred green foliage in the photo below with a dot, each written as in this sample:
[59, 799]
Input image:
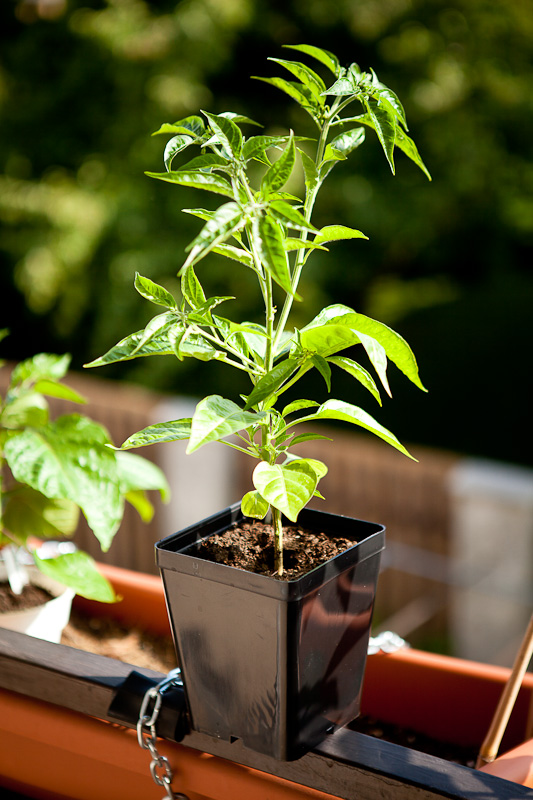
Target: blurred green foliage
[84, 82]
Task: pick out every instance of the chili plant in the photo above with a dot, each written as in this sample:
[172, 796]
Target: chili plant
[50, 469]
[270, 231]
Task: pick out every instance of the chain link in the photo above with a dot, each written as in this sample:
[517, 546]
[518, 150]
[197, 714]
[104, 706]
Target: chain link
[160, 768]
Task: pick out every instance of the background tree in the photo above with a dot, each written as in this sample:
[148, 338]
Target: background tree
[82, 85]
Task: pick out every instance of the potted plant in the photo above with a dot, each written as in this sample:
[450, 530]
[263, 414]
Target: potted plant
[275, 659]
[54, 469]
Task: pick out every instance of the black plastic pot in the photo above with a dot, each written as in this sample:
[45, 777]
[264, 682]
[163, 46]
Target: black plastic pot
[278, 664]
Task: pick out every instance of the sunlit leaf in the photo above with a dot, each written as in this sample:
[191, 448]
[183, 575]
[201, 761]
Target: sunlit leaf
[335, 233]
[135, 472]
[324, 56]
[358, 372]
[175, 146]
[280, 171]
[346, 412]
[195, 180]
[43, 365]
[385, 127]
[69, 459]
[60, 390]
[304, 74]
[290, 216]
[270, 246]
[154, 292]
[228, 132]
[216, 417]
[172, 431]
[287, 487]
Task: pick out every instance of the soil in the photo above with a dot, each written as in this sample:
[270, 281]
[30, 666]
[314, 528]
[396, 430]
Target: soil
[31, 596]
[250, 546]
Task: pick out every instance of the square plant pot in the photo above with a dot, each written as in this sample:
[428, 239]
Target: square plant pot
[278, 664]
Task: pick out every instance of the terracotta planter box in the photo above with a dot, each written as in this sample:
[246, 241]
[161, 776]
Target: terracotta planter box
[52, 752]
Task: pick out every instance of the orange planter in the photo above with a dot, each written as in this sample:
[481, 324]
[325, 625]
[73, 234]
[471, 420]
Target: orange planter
[49, 752]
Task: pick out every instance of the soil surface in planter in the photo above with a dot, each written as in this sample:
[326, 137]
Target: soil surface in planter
[30, 597]
[108, 638]
[250, 546]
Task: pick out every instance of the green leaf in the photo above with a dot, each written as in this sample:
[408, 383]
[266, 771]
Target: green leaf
[345, 143]
[154, 292]
[396, 348]
[27, 513]
[191, 288]
[334, 233]
[253, 505]
[175, 146]
[407, 146]
[172, 431]
[239, 118]
[192, 124]
[271, 382]
[303, 96]
[157, 326]
[30, 409]
[209, 161]
[328, 339]
[388, 98]
[298, 405]
[385, 126]
[279, 173]
[300, 244]
[235, 254]
[287, 487]
[270, 246]
[68, 459]
[378, 358]
[227, 218]
[304, 74]
[43, 365]
[227, 131]
[195, 180]
[215, 417]
[78, 571]
[140, 502]
[290, 216]
[323, 367]
[127, 349]
[201, 213]
[135, 473]
[346, 412]
[358, 372]
[324, 56]
[54, 389]
[310, 171]
[343, 87]
[256, 146]
[308, 437]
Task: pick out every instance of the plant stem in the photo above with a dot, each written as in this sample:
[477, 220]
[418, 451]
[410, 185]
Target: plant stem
[278, 541]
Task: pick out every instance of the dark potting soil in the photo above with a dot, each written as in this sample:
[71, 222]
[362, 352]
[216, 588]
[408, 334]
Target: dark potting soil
[31, 596]
[250, 546]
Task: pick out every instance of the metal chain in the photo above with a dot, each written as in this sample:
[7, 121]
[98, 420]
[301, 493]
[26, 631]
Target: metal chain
[147, 733]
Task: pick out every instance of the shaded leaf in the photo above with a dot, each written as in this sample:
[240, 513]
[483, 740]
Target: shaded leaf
[385, 127]
[253, 505]
[306, 75]
[28, 512]
[271, 382]
[280, 171]
[303, 96]
[270, 246]
[290, 216]
[79, 572]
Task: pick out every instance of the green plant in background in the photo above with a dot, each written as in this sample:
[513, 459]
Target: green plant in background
[57, 468]
[267, 229]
